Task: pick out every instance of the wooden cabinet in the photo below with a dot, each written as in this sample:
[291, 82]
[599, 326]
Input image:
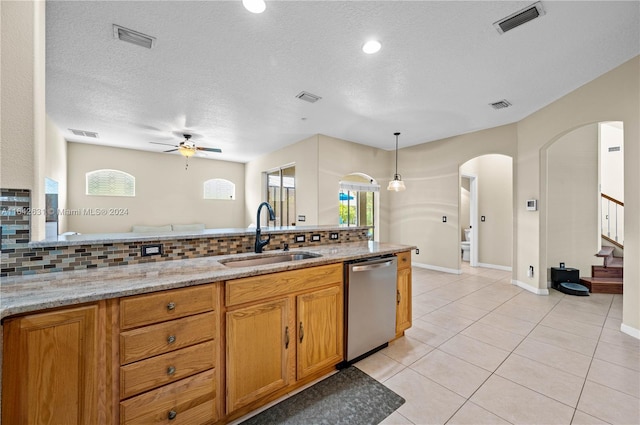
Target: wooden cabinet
[169, 361]
[54, 367]
[281, 329]
[403, 293]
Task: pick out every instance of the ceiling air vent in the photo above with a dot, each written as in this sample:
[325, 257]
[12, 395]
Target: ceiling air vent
[133, 37]
[520, 17]
[501, 104]
[311, 98]
[84, 133]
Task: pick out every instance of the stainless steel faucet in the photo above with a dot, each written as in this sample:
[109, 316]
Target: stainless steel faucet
[272, 216]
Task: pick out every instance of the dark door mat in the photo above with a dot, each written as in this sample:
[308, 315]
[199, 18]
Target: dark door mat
[349, 397]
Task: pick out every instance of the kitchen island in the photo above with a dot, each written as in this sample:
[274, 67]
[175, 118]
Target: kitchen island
[117, 308]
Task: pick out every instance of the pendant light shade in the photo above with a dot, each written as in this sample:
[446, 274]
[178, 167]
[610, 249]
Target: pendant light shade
[397, 185]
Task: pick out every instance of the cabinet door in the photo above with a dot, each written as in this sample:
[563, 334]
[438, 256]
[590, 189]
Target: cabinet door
[320, 326]
[258, 343]
[51, 364]
[403, 299]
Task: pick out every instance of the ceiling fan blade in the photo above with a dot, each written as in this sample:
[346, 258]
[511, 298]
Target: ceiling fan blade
[171, 150]
[210, 150]
[167, 144]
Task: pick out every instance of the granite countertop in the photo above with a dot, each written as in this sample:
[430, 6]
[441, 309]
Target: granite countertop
[23, 294]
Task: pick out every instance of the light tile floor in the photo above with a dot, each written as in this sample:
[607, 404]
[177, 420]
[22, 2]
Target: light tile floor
[483, 351]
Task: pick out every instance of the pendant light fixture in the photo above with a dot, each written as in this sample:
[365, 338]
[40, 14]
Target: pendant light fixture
[397, 185]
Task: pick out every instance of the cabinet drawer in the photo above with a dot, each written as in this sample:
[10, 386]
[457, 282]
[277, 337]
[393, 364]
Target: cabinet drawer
[143, 310]
[141, 343]
[404, 259]
[147, 374]
[258, 288]
[189, 401]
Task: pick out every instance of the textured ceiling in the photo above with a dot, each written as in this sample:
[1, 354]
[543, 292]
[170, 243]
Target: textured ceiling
[231, 77]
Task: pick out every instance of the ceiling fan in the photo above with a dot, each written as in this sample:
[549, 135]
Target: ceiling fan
[187, 148]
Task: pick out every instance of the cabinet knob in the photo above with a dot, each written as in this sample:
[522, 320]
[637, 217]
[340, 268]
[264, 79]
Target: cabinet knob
[171, 306]
[172, 415]
[171, 339]
[171, 370]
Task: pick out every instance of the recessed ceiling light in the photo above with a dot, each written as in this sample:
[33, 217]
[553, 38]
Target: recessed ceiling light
[254, 6]
[371, 46]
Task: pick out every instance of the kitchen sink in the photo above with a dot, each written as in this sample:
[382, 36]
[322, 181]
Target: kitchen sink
[267, 259]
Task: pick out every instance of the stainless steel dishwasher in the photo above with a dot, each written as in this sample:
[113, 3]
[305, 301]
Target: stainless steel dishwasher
[370, 302]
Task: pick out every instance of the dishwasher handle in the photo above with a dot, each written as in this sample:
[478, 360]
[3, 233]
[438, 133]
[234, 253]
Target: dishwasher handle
[367, 267]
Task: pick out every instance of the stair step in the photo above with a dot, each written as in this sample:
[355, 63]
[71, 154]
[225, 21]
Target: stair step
[608, 272]
[602, 285]
[606, 251]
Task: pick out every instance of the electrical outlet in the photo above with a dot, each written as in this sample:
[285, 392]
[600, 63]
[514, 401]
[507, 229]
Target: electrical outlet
[302, 218]
[147, 250]
[483, 218]
[530, 271]
[315, 238]
[417, 251]
[333, 236]
[300, 238]
[444, 218]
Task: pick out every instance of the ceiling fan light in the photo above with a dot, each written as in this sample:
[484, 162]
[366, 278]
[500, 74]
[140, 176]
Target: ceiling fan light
[254, 6]
[186, 151]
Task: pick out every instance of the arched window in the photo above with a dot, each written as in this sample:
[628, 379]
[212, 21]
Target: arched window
[219, 189]
[110, 183]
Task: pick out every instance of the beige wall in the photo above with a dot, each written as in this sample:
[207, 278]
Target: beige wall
[431, 172]
[614, 96]
[304, 155]
[166, 193]
[573, 227]
[55, 167]
[495, 202]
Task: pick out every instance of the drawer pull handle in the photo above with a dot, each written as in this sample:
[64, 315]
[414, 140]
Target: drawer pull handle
[171, 370]
[398, 297]
[286, 337]
[172, 415]
[301, 332]
[171, 306]
[171, 339]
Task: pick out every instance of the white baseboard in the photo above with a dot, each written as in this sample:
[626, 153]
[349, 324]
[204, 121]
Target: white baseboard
[436, 268]
[630, 331]
[495, 266]
[530, 288]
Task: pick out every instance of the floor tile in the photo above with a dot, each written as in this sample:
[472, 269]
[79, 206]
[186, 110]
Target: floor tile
[428, 333]
[609, 405]
[463, 310]
[427, 303]
[551, 355]
[507, 323]
[379, 366]
[613, 323]
[564, 339]
[406, 350]
[521, 313]
[568, 312]
[426, 401]
[581, 418]
[457, 375]
[396, 419]
[448, 321]
[475, 352]
[619, 355]
[520, 405]
[479, 300]
[554, 383]
[616, 377]
[472, 414]
[452, 292]
[575, 327]
[617, 337]
[493, 336]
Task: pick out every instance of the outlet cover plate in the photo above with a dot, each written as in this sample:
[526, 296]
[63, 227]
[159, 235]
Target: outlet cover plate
[300, 238]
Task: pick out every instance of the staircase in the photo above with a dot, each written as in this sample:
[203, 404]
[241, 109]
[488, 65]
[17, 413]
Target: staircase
[606, 279]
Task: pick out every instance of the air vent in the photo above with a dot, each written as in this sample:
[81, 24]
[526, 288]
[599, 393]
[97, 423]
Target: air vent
[84, 133]
[614, 149]
[133, 37]
[501, 104]
[311, 98]
[520, 17]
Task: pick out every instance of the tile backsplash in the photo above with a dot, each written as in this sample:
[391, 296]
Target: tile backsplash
[20, 259]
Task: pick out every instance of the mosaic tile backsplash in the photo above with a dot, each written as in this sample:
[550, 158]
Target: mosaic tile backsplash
[20, 259]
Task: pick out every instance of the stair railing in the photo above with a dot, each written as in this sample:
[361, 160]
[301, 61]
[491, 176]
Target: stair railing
[612, 220]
